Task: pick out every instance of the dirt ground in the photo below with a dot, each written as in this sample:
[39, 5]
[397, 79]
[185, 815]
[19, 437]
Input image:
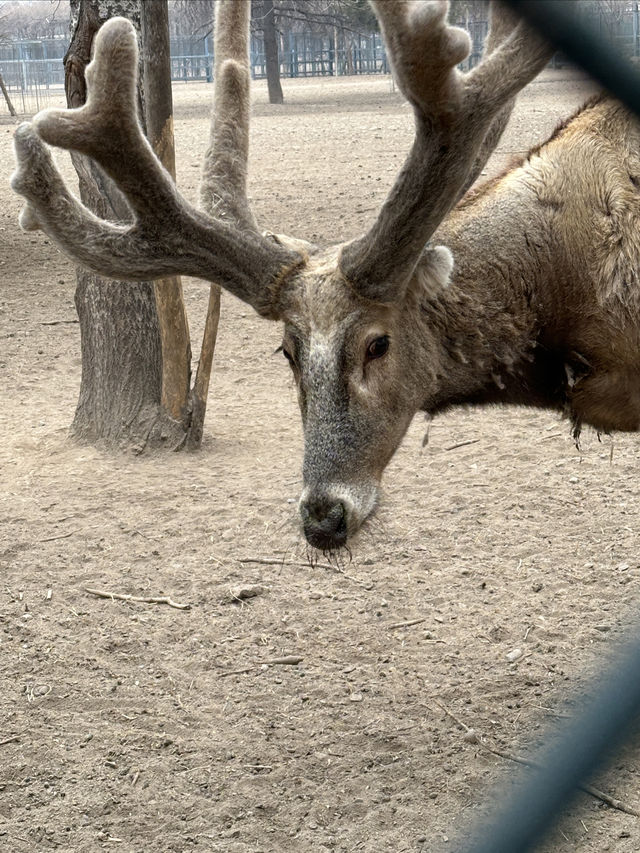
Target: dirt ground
[140, 727]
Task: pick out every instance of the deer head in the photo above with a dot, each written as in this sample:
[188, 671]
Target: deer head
[348, 310]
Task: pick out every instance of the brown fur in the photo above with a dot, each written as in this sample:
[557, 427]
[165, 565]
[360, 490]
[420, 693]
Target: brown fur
[485, 187]
[564, 237]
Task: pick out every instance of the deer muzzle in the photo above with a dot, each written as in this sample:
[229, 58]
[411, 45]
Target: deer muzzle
[331, 515]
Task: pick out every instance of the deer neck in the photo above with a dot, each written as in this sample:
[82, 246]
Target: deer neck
[484, 329]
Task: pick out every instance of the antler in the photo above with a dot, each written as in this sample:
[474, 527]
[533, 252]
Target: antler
[459, 119]
[168, 236]
[223, 191]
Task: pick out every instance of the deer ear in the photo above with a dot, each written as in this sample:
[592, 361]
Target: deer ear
[434, 269]
[302, 247]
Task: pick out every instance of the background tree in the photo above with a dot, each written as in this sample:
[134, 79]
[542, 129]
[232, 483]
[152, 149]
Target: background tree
[266, 18]
[190, 17]
[36, 19]
[136, 357]
[274, 17]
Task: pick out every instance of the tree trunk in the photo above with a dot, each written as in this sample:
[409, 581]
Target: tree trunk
[120, 401]
[188, 407]
[174, 329]
[272, 59]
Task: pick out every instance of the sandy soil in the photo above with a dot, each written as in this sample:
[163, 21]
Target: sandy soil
[136, 727]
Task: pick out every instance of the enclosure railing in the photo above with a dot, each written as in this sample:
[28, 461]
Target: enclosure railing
[32, 77]
[33, 72]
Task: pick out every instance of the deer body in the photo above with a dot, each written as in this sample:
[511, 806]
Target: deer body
[526, 293]
[553, 308]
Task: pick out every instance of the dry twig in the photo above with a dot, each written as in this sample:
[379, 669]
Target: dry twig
[274, 561]
[61, 536]
[289, 660]
[237, 671]
[271, 561]
[588, 789]
[120, 596]
[462, 444]
[407, 624]
[11, 739]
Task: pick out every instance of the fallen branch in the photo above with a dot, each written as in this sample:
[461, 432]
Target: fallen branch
[588, 789]
[60, 536]
[462, 444]
[271, 561]
[237, 671]
[289, 660]
[119, 596]
[11, 739]
[406, 624]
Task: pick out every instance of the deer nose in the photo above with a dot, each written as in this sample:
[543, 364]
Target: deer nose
[324, 523]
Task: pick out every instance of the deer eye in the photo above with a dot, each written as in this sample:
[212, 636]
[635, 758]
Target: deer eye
[378, 347]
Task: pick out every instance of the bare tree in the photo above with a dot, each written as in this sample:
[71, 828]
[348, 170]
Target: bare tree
[36, 19]
[5, 38]
[267, 21]
[273, 17]
[136, 356]
[192, 17]
[7, 99]
[121, 386]
[174, 331]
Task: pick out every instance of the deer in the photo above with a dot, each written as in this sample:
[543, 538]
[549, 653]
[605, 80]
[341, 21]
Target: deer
[523, 290]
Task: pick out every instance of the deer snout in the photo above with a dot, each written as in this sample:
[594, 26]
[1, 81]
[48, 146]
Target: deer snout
[333, 513]
[324, 521]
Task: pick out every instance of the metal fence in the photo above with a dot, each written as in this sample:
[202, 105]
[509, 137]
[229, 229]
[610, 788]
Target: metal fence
[301, 55]
[32, 72]
[335, 54]
[34, 76]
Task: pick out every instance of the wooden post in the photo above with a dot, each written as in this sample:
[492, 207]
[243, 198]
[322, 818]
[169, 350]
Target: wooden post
[172, 319]
[6, 97]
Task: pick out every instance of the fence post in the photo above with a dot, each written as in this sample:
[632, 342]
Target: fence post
[207, 67]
